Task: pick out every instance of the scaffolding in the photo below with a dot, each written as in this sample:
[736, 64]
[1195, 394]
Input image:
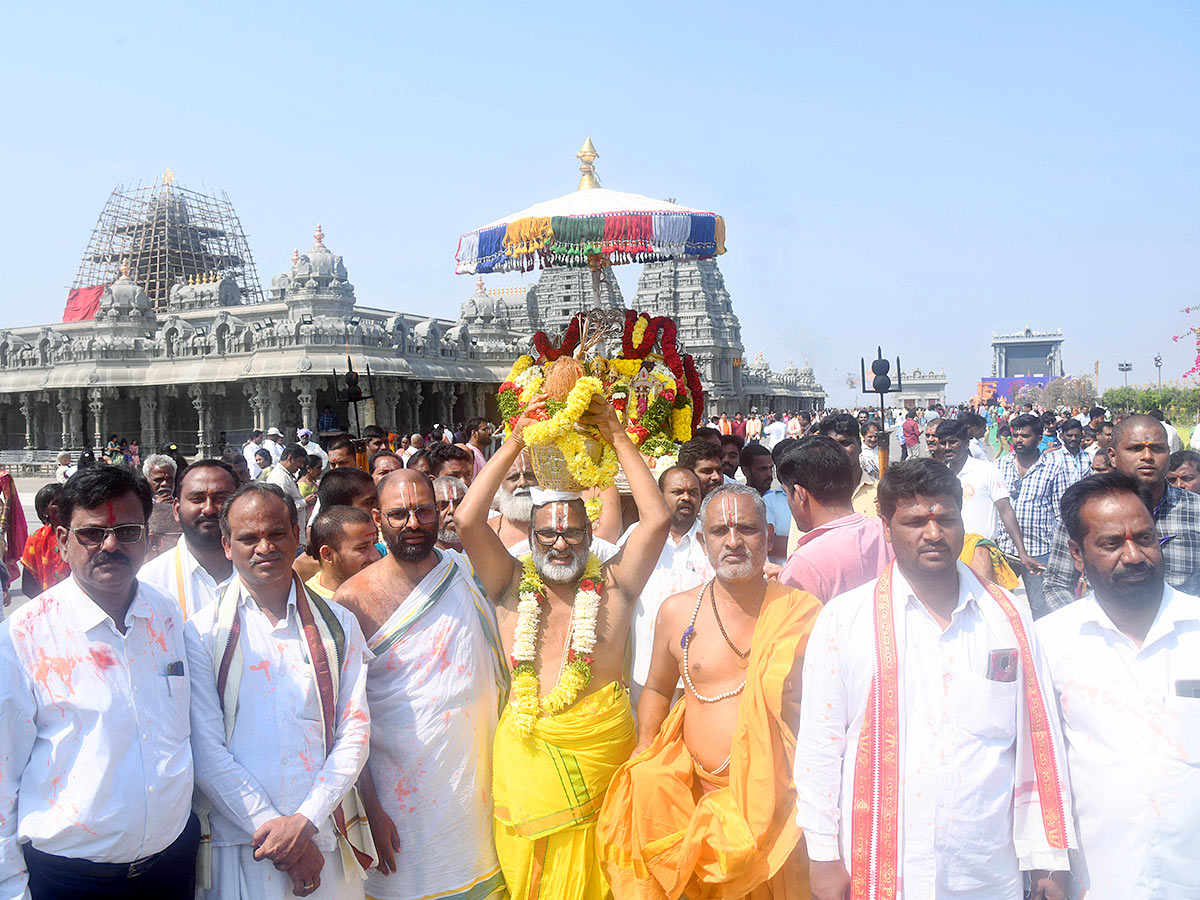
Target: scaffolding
[168, 235]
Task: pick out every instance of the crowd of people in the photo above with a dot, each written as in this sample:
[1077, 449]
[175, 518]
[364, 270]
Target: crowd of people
[399, 667]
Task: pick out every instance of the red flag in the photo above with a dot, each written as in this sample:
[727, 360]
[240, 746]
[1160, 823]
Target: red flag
[83, 304]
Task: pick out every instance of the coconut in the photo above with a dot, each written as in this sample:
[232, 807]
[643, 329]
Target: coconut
[561, 377]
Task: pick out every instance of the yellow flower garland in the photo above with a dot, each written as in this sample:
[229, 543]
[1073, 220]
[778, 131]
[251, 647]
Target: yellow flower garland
[639, 330]
[576, 672]
[563, 421]
[626, 368]
[519, 366]
[681, 424]
[580, 465]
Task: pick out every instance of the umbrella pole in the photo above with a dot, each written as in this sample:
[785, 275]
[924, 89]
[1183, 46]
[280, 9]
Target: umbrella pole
[601, 273]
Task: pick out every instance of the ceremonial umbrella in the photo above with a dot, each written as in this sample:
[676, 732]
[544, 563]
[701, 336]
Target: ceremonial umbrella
[593, 227]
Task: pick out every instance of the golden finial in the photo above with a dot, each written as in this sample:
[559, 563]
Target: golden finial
[295, 255]
[191, 279]
[319, 235]
[168, 178]
[479, 284]
[587, 155]
[124, 270]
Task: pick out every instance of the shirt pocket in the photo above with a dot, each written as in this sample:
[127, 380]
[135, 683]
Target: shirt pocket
[1183, 716]
[987, 709]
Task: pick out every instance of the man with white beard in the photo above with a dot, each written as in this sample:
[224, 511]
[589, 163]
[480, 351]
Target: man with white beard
[516, 508]
[448, 492]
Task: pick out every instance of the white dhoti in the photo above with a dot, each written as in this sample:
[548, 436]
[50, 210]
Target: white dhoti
[237, 875]
[432, 686]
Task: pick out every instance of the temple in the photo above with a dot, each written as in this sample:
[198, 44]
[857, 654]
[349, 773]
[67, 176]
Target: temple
[167, 337]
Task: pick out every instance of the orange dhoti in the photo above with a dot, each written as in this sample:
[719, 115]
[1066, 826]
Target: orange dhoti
[668, 829]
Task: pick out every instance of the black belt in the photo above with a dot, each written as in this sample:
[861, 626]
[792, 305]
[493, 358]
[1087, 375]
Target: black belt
[97, 869]
[103, 869]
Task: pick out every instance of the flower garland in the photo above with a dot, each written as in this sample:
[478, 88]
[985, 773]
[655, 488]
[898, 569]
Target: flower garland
[563, 421]
[570, 341]
[579, 463]
[594, 507]
[577, 671]
[681, 424]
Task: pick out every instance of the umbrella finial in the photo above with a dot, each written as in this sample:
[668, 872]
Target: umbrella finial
[587, 155]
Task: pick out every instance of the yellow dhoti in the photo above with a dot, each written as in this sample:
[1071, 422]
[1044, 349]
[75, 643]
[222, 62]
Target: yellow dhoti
[669, 829]
[548, 790]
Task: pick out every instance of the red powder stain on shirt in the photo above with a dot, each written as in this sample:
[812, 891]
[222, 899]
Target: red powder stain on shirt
[102, 658]
[306, 761]
[55, 787]
[62, 666]
[264, 667]
[156, 636]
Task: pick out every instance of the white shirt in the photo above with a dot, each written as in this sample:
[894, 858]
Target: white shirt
[286, 482]
[1194, 440]
[199, 587]
[958, 755]
[1173, 441]
[978, 451]
[1133, 746]
[681, 565]
[774, 433]
[248, 454]
[314, 449]
[274, 447]
[275, 764]
[982, 487]
[95, 761]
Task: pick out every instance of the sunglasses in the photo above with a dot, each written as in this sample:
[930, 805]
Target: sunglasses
[94, 535]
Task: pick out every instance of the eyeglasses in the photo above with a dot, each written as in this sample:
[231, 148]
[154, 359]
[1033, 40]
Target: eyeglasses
[398, 517]
[95, 535]
[548, 537]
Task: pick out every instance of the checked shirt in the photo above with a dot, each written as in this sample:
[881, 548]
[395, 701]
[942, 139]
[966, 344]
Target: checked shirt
[1035, 497]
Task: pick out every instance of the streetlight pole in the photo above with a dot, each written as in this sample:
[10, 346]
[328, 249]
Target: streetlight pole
[1125, 368]
[1158, 365]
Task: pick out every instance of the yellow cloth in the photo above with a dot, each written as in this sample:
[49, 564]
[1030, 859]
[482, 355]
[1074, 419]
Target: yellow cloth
[547, 793]
[662, 837]
[864, 500]
[1004, 575]
[319, 589]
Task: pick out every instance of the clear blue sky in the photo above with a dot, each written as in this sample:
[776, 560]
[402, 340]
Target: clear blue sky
[916, 175]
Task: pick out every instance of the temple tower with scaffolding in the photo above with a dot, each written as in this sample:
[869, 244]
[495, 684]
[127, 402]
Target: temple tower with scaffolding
[168, 235]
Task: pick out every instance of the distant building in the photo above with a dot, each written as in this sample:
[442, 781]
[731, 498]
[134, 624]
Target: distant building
[1026, 353]
[166, 337]
[922, 388]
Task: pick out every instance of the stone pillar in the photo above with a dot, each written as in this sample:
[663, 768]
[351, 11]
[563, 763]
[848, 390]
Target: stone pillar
[148, 403]
[64, 410]
[274, 407]
[27, 412]
[306, 398]
[96, 405]
[78, 438]
[200, 405]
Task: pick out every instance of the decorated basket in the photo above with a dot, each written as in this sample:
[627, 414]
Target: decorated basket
[551, 467]
[654, 389]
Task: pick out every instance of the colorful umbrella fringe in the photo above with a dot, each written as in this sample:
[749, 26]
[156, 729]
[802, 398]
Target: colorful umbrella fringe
[524, 244]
